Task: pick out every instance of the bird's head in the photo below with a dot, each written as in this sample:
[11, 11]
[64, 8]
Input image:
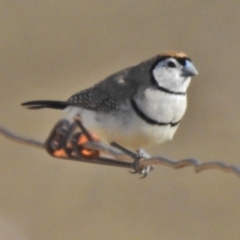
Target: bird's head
[173, 71]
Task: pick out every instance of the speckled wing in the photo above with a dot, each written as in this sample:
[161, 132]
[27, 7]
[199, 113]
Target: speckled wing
[95, 99]
[107, 95]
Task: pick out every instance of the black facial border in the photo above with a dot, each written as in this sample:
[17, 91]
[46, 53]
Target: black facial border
[181, 60]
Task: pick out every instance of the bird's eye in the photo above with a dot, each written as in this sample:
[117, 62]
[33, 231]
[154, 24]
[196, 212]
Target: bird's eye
[171, 64]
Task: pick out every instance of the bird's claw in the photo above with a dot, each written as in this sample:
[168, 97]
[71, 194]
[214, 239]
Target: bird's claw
[139, 157]
[144, 171]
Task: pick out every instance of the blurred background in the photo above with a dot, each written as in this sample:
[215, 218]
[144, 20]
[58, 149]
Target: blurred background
[52, 49]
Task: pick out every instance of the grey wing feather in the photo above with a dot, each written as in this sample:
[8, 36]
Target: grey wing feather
[109, 94]
[94, 99]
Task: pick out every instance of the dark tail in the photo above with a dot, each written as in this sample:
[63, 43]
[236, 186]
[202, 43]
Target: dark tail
[45, 104]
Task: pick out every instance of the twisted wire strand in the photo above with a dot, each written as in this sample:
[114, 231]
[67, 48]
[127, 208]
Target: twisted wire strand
[121, 156]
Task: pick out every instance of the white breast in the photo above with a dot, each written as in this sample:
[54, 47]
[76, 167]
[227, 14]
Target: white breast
[161, 106]
[128, 129]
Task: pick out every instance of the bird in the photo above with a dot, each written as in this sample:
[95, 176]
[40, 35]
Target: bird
[139, 106]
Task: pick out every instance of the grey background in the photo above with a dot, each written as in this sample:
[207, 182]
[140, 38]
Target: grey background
[50, 50]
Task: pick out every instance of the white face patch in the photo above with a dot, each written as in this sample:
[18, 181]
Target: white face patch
[168, 74]
[168, 68]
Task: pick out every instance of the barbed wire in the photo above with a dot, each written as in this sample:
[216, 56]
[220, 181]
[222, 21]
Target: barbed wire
[140, 161]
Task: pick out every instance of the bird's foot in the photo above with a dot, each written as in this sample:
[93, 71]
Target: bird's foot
[137, 159]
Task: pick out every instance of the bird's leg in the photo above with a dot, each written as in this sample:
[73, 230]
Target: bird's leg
[123, 149]
[140, 156]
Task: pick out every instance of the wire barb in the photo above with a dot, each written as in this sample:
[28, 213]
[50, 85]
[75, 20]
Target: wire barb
[139, 162]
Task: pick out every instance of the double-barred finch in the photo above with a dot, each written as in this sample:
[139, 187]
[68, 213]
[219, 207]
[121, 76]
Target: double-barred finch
[137, 107]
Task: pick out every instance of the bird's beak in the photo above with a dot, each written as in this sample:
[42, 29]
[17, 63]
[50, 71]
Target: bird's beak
[189, 70]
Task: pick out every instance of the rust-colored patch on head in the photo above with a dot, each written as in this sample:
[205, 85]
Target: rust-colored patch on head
[173, 54]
